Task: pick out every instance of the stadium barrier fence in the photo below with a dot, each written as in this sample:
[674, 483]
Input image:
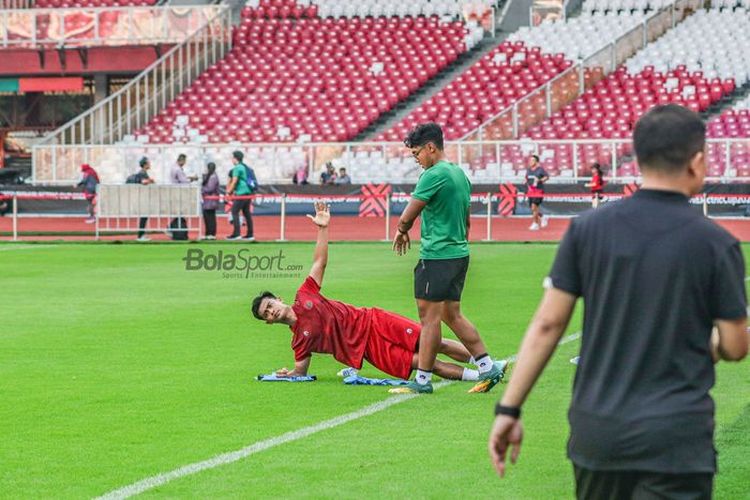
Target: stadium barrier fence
[101, 26]
[485, 162]
[119, 207]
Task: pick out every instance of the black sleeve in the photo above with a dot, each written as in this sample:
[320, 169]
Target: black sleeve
[565, 274]
[728, 299]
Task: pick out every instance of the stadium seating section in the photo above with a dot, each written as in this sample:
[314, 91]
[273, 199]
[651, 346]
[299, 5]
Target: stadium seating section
[323, 79]
[697, 64]
[530, 58]
[285, 9]
[579, 37]
[499, 78]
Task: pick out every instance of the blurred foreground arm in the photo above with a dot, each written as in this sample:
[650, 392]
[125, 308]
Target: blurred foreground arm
[547, 326]
[729, 340]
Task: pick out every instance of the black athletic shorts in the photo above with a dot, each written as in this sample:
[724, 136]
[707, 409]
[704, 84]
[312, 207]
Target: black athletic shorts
[440, 279]
[535, 201]
[641, 485]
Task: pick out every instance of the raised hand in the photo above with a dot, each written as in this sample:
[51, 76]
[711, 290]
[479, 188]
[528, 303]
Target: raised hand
[322, 214]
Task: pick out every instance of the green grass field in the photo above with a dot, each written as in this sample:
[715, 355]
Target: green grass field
[117, 364]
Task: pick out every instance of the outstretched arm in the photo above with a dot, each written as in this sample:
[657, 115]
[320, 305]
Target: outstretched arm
[300, 369]
[320, 257]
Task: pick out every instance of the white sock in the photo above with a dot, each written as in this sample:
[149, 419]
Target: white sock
[484, 364]
[423, 377]
[472, 361]
[470, 374]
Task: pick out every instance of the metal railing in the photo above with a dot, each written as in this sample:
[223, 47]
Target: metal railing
[542, 102]
[16, 4]
[142, 98]
[107, 26]
[486, 162]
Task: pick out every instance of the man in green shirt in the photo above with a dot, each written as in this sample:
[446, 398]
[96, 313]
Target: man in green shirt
[442, 196]
[238, 186]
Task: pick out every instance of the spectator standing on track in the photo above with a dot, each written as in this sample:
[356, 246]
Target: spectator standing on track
[655, 276]
[210, 187]
[596, 184]
[177, 174]
[536, 176]
[343, 177]
[142, 178]
[89, 182]
[178, 226]
[238, 186]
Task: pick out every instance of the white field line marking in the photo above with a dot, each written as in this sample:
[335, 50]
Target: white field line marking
[234, 456]
[8, 248]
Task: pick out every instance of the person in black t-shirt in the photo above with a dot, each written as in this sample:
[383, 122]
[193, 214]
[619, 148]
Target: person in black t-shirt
[143, 178]
[536, 176]
[655, 276]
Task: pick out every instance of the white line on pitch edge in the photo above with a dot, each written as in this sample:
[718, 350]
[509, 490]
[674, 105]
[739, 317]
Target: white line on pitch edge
[23, 247]
[234, 456]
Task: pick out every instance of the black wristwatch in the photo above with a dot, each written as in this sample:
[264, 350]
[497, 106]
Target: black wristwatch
[510, 411]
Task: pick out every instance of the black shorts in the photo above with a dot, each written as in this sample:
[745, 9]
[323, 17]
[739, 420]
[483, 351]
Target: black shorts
[640, 485]
[535, 201]
[440, 279]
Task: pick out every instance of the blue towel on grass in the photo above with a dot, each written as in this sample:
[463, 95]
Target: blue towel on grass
[272, 377]
[358, 380]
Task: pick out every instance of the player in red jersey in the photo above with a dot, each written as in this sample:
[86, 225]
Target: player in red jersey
[351, 334]
[596, 184]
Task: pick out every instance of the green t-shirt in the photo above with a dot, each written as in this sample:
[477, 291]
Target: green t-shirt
[239, 173]
[447, 192]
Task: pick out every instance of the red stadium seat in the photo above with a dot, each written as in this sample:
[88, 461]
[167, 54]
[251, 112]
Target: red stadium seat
[327, 73]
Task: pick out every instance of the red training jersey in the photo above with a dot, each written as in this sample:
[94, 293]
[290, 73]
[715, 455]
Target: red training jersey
[328, 326]
[597, 183]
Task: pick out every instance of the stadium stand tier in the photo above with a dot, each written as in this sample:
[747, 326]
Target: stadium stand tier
[530, 58]
[320, 79]
[697, 64]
